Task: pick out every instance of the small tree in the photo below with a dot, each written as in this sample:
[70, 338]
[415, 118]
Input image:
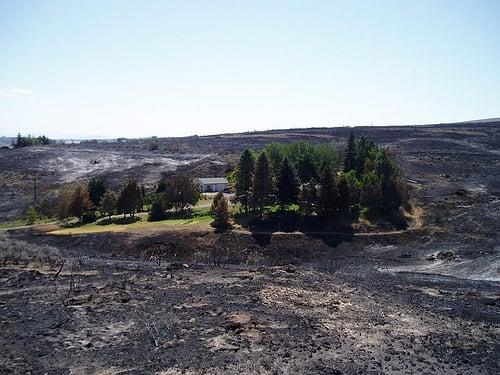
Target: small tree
[31, 215]
[220, 211]
[244, 178]
[287, 185]
[130, 198]
[157, 209]
[262, 189]
[96, 188]
[108, 204]
[181, 191]
[80, 202]
[307, 198]
[350, 154]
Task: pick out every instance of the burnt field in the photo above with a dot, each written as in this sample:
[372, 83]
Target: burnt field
[422, 300]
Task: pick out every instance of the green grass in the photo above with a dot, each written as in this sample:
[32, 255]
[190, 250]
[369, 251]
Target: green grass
[101, 226]
[12, 224]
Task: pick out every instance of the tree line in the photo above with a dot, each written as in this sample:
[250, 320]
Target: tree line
[21, 141]
[321, 180]
[175, 192]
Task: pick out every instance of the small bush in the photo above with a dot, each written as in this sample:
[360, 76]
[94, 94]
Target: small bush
[31, 215]
[89, 217]
[157, 210]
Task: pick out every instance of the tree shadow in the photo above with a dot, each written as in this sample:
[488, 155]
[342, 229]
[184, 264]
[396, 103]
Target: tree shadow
[330, 231]
[119, 220]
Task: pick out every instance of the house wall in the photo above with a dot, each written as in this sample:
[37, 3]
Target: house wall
[213, 187]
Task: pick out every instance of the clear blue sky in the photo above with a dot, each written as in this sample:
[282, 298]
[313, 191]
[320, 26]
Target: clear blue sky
[169, 68]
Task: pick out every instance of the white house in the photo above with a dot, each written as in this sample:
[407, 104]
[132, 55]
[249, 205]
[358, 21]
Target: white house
[213, 184]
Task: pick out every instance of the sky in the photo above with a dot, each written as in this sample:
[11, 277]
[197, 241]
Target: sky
[172, 68]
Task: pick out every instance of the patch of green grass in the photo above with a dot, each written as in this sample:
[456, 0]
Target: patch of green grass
[102, 226]
[12, 224]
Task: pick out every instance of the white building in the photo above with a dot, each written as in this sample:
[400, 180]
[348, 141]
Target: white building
[213, 184]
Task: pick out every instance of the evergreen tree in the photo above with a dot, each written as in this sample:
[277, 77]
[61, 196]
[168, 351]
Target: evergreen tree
[108, 203]
[31, 215]
[80, 202]
[287, 185]
[391, 188]
[327, 196]
[364, 151]
[244, 178]
[220, 211]
[306, 168]
[343, 195]
[96, 189]
[350, 154]
[262, 188]
[157, 210]
[307, 198]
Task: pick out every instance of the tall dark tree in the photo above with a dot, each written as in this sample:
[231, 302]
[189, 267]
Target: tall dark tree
[96, 188]
[287, 185]
[262, 188]
[391, 188]
[130, 198]
[327, 196]
[350, 154]
[244, 178]
[108, 203]
[343, 195]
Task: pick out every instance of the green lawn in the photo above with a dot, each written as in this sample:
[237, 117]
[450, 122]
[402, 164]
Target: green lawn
[141, 224]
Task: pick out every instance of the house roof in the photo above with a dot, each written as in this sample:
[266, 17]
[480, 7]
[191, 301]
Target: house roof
[213, 180]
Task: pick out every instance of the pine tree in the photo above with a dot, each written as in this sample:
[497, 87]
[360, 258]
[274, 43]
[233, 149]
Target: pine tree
[343, 195]
[80, 202]
[327, 196]
[364, 151]
[220, 211]
[287, 185]
[108, 203]
[350, 154]
[262, 188]
[244, 178]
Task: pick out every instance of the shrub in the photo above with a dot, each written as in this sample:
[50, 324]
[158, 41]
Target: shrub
[220, 211]
[157, 210]
[31, 215]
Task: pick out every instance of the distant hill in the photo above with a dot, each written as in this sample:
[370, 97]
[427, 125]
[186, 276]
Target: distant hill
[6, 140]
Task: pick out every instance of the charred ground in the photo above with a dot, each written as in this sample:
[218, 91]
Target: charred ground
[423, 300]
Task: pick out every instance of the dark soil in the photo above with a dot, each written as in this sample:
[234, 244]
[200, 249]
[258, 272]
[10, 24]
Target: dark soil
[416, 301]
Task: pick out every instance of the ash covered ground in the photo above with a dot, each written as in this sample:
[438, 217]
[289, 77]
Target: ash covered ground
[425, 300]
